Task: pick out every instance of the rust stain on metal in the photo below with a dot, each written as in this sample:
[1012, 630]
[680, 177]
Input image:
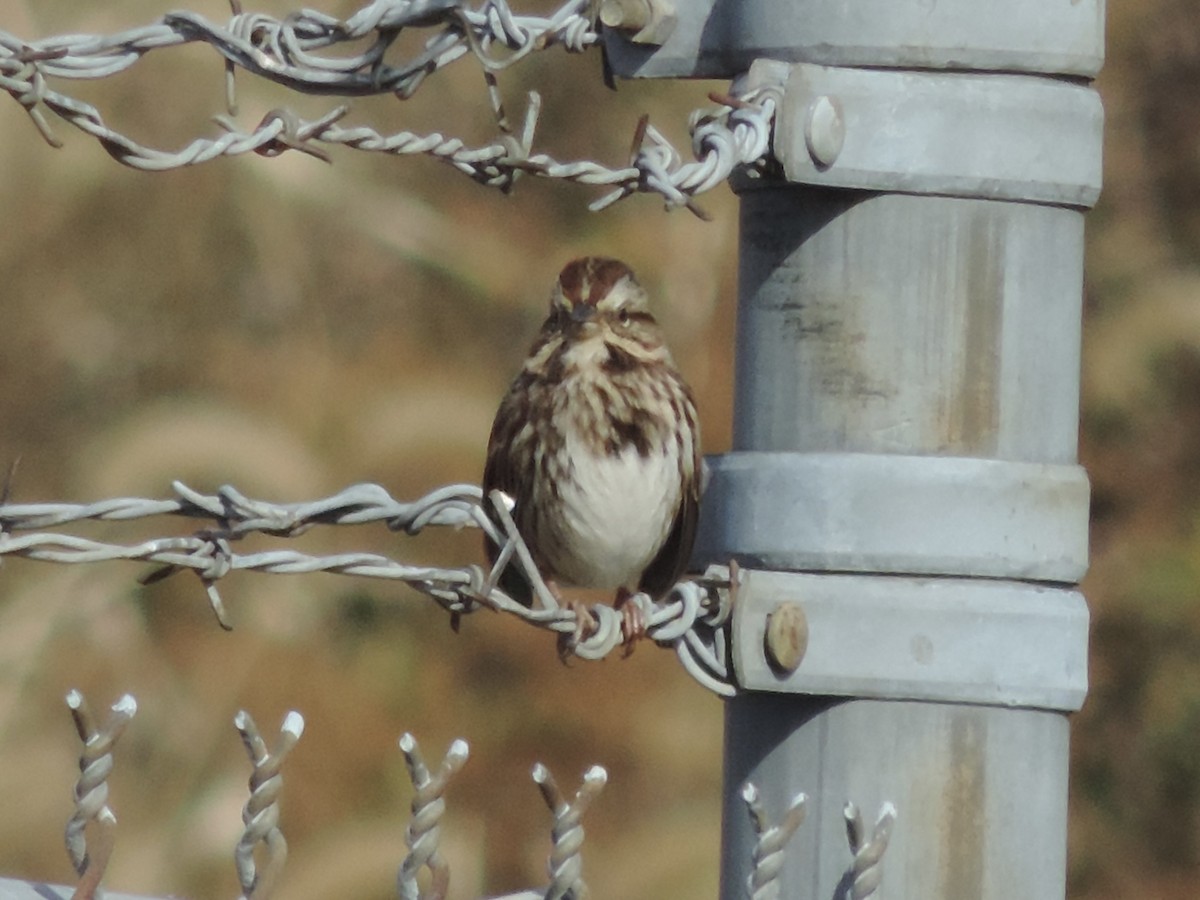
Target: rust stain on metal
[964, 812]
[971, 418]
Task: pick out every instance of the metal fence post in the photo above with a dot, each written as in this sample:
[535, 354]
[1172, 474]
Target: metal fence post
[903, 493]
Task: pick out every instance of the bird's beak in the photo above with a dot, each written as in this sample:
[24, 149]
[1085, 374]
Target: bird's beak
[582, 312]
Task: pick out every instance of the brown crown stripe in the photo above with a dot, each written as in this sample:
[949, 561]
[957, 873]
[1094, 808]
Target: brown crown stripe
[590, 278]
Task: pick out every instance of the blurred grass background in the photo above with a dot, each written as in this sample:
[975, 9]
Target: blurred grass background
[290, 327]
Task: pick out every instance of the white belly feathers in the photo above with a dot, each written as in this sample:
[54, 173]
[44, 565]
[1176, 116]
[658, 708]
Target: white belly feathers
[616, 514]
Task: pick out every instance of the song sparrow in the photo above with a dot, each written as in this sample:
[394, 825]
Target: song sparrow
[597, 443]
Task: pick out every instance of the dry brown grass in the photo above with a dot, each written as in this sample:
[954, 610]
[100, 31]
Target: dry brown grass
[289, 328]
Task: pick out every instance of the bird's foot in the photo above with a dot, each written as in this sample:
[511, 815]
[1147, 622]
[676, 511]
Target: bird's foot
[633, 623]
[585, 623]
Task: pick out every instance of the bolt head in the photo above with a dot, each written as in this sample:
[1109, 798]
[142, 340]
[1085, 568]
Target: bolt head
[630, 15]
[824, 131]
[786, 638]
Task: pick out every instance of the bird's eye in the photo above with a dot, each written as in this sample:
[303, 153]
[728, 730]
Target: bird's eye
[623, 315]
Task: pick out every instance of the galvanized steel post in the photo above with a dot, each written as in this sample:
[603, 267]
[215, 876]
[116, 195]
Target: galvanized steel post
[903, 494]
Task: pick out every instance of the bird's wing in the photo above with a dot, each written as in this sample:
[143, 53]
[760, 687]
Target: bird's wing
[504, 472]
[672, 558]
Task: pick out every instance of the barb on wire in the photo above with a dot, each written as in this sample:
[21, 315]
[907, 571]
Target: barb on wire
[291, 51]
[770, 843]
[261, 813]
[566, 861]
[691, 618]
[424, 829]
[91, 792]
[733, 135]
[866, 873]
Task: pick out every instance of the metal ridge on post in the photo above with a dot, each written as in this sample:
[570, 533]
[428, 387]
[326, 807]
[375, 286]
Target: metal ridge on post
[916, 515]
[721, 38]
[892, 637]
[1003, 137]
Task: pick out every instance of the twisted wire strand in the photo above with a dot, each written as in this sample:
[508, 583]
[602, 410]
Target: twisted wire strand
[288, 51]
[691, 618]
[423, 835]
[261, 812]
[770, 843]
[91, 791]
[736, 134]
[565, 864]
[866, 872]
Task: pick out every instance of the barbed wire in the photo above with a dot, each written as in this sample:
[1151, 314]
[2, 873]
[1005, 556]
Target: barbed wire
[289, 51]
[690, 619]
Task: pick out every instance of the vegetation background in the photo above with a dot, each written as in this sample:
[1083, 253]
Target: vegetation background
[290, 328]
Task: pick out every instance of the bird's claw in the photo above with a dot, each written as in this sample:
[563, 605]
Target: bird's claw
[633, 622]
[585, 626]
[633, 628]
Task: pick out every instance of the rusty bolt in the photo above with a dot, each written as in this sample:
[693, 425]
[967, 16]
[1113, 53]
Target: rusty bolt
[786, 638]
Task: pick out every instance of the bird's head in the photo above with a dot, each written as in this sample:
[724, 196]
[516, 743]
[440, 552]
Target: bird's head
[598, 297]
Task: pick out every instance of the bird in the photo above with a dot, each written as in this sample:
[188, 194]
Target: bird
[597, 443]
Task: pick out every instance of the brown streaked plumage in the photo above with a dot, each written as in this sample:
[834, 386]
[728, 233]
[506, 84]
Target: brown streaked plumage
[598, 444]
